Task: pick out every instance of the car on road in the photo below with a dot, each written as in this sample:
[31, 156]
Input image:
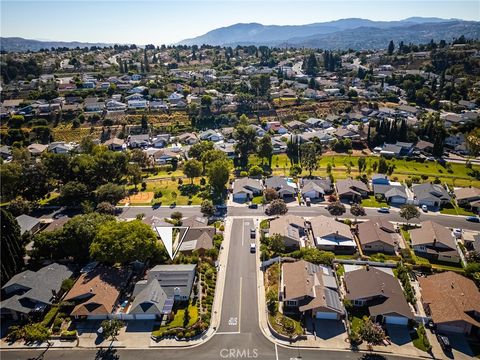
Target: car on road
[253, 233]
[457, 233]
[253, 247]
[475, 219]
[384, 210]
[253, 206]
[444, 342]
[424, 208]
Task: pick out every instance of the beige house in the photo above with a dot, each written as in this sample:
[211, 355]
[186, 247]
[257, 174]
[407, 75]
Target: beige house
[331, 235]
[453, 302]
[291, 228]
[377, 236]
[434, 241]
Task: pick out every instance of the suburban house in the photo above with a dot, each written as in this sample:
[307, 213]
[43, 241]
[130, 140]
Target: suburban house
[433, 195]
[115, 144]
[316, 188]
[37, 149]
[188, 138]
[156, 295]
[31, 291]
[245, 189]
[198, 239]
[379, 291]
[393, 194]
[310, 289]
[351, 190]
[96, 292]
[453, 302]
[424, 147]
[468, 197]
[210, 135]
[434, 241]
[380, 179]
[377, 236]
[139, 141]
[291, 228]
[331, 235]
[284, 188]
[28, 224]
[396, 150]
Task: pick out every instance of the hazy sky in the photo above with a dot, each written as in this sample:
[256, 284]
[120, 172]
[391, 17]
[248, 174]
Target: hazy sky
[158, 21]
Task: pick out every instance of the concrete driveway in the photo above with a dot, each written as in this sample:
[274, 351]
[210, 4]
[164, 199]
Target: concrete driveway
[398, 334]
[460, 347]
[136, 333]
[331, 333]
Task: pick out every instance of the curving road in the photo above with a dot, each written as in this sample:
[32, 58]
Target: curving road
[238, 335]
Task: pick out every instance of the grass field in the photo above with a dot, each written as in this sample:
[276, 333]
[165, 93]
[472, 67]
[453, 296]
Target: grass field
[371, 201]
[140, 198]
[174, 193]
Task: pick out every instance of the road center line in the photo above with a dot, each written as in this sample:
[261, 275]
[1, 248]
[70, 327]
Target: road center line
[243, 231]
[240, 306]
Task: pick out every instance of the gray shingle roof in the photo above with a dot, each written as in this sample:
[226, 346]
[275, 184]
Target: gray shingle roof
[150, 300]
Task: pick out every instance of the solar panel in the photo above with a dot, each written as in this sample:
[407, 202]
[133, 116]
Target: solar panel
[167, 307]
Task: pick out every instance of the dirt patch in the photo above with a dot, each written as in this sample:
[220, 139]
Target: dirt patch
[139, 198]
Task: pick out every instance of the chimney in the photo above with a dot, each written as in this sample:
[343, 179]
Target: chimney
[434, 241]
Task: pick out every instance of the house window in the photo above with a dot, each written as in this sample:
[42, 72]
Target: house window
[358, 302]
[292, 303]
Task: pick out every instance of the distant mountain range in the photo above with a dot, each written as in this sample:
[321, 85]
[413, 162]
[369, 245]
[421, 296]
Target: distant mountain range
[20, 44]
[340, 34]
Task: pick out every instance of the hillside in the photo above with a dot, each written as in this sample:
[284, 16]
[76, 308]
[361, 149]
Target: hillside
[21, 44]
[341, 34]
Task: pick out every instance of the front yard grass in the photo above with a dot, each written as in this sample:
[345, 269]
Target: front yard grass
[177, 321]
[169, 188]
[372, 201]
[420, 340]
[257, 199]
[453, 209]
[285, 325]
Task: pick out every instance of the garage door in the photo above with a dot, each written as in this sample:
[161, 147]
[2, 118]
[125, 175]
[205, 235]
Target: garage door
[396, 320]
[326, 315]
[145, 316]
[240, 196]
[450, 328]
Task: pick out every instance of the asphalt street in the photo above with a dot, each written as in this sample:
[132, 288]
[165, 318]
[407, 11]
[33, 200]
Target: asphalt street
[446, 220]
[238, 336]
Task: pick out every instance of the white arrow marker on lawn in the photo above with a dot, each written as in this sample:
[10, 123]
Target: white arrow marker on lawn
[166, 235]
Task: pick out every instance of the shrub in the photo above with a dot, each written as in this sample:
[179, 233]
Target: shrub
[243, 174]
[50, 316]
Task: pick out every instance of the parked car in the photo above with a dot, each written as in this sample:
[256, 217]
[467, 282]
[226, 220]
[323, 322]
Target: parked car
[457, 233]
[253, 233]
[253, 247]
[384, 210]
[308, 202]
[475, 219]
[444, 342]
[253, 206]
[424, 208]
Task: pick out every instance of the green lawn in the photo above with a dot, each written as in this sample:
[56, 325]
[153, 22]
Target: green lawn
[257, 199]
[168, 187]
[420, 340]
[177, 321]
[453, 209]
[355, 324]
[371, 201]
[285, 325]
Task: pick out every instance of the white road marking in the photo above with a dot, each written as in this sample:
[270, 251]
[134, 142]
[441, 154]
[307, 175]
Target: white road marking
[240, 306]
[243, 232]
[276, 352]
[233, 321]
[227, 333]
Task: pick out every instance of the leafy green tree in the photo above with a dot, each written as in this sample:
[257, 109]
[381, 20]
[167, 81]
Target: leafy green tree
[473, 141]
[111, 328]
[382, 166]
[105, 208]
[362, 164]
[12, 247]
[192, 169]
[34, 182]
[207, 208]
[409, 211]
[111, 193]
[19, 206]
[276, 207]
[10, 175]
[265, 149]
[311, 65]
[124, 242]
[357, 210]
[336, 208]
[371, 332]
[139, 157]
[309, 157]
[218, 175]
[391, 47]
[134, 174]
[35, 332]
[197, 150]
[276, 244]
[246, 142]
[255, 171]
[79, 232]
[73, 193]
[48, 245]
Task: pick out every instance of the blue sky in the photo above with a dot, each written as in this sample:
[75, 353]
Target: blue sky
[158, 21]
